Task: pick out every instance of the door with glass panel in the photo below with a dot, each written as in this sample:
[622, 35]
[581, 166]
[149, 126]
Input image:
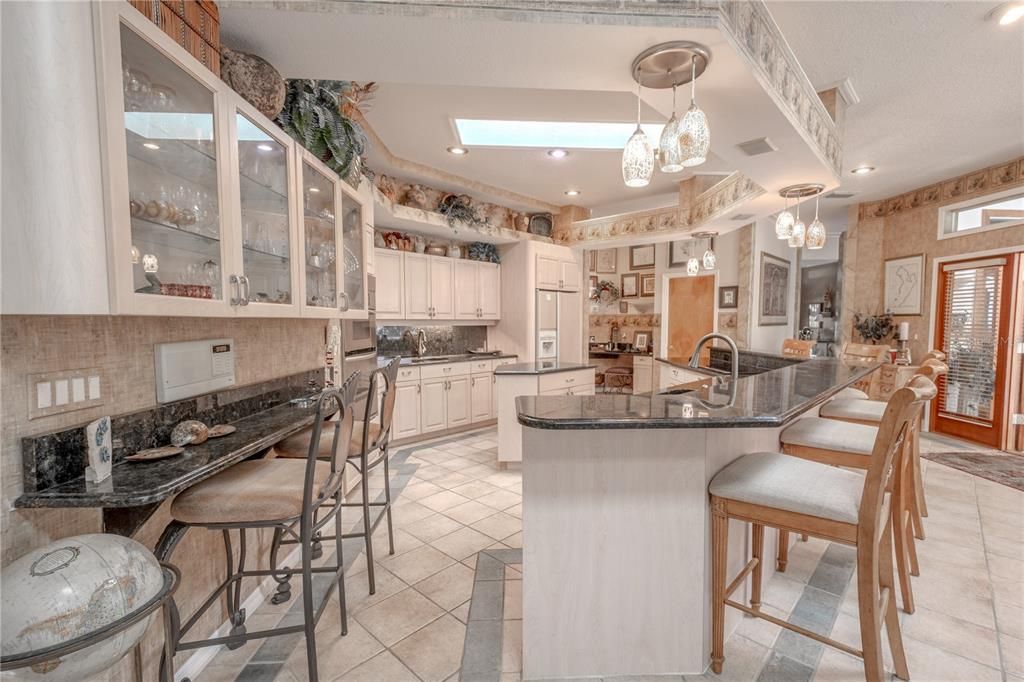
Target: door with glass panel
[171, 256]
[264, 279]
[973, 329]
[353, 259]
[320, 199]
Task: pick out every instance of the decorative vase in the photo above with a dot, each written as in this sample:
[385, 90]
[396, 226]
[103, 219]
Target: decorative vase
[254, 79]
[416, 197]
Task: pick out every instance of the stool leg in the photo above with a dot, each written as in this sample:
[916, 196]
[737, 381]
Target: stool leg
[367, 535]
[233, 592]
[341, 562]
[922, 506]
[719, 556]
[917, 506]
[758, 553]
[892, 619]
[284, 586]
[307, 599]
[901, 533]
[782, 553]
[387, 500]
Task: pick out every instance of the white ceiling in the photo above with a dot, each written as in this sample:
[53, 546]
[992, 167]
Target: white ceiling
[941, 89]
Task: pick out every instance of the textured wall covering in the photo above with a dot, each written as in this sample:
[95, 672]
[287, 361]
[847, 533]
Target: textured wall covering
[123, 348]
[898, 227]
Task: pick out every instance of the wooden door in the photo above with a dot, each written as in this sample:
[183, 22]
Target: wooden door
[480, 397]
[442, 295]
[458, 401]
[691, 314]
[466, 290]
[390, 277]
[433, 401]
[973, 329]
[1015, 430]
[417, 286]
[407, 410]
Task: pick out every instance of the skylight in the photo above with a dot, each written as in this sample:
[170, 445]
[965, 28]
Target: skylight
[549, 134]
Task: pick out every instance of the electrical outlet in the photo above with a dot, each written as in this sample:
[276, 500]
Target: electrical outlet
[66, 391]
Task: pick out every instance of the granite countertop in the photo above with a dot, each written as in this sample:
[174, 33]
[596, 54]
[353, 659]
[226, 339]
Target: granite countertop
[134, 484]
[769, 399]
[599, 352]
[684, 363]
[541, 367]
[409, 361]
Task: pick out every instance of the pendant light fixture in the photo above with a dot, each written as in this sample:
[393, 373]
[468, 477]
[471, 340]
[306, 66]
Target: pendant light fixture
[709, 261]
[796, 240]
[784, 223]
[695, 135]
[816, 234]
[692, 264]
[638, 155]
[670, 156]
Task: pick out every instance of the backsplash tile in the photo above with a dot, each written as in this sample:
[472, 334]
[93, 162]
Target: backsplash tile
[441, 339]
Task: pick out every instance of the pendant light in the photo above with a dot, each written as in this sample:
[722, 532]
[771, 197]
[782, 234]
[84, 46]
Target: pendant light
[692, 265]
[670, 156]
[709, 261]
[816, 234]
[638, 155]
[784, 223]
[695, 135]
[796, 240]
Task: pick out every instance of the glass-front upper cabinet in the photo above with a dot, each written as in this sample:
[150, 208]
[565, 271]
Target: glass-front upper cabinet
[265, 285]
[173, 195]
[321, 294]
[353, 233]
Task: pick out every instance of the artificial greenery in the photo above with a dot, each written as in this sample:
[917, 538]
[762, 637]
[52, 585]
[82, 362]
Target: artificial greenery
[315, 114]
[874, 328]
[457, 209]
[605, 292]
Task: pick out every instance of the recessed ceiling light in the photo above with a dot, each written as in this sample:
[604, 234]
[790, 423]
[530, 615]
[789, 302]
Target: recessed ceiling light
[150, 145]
[264, 148]
[458, 151]
[572, 192]
[557, 153]
[1007, 13]
[862, 170]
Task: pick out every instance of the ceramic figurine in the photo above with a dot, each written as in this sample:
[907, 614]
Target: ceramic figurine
[252, 77]
[387, 186]
[98, 435]
[189, 432]
[415, 196]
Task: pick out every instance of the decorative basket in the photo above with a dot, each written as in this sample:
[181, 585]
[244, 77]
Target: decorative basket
[193, 24]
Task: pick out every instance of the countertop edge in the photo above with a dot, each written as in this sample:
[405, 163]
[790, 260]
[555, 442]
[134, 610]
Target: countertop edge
[502, 371]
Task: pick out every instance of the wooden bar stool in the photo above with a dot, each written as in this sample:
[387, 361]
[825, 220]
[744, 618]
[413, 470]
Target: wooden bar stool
[800, 496]
[268, 494]
[795, 348]
[851, 445]
[851, 392]
[367, 448]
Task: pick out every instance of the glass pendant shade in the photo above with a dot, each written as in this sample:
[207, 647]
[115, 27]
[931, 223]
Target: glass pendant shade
[692, 267]
[796, 240]
[784, 225]
[694, 137]
[637, 160]
[709, 261]
[815, 238]
[670, 156]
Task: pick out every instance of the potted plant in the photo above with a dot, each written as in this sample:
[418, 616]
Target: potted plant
[874, 328]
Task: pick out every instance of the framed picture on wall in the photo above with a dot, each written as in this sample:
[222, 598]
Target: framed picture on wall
[904, 285]
[630, 285]
[605, 260]
[678, 254]
[593, 286]
[647, 280]
[641, 257]
[728, 297]
[773, 306]
[641, 340]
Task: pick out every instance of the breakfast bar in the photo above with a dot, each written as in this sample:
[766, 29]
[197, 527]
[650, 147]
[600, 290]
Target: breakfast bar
[616, 517]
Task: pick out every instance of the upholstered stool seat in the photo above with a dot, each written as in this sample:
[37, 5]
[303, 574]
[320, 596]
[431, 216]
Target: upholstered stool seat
[829, 434]
[618, 377]
[851, 392]
[297, 446]
[771, 479]
[248, 492]
[854, 409]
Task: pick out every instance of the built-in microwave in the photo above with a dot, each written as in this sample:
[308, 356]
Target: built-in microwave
[359, 337]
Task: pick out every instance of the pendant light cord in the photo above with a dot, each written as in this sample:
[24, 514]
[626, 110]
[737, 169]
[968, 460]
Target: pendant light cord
[639, 84]
[693, 79]
[816, 197]
[673, 99]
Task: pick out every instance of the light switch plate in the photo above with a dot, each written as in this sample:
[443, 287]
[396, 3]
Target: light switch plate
[66, 391]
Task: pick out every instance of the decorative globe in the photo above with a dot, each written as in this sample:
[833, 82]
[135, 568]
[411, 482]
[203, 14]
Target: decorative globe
[71, 588]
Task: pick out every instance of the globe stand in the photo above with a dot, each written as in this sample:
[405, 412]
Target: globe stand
[43, 659]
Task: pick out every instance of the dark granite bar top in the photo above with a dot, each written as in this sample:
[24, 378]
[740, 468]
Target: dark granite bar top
[602, 353]
[408, 361]
[769, 399]
[541, 367]
[685, 364]
[134, 484]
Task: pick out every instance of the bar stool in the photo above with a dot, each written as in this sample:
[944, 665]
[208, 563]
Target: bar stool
[263, 494]
[851, 392]
[367, 448]
[796, 495]
[619, 378]
[851, 445]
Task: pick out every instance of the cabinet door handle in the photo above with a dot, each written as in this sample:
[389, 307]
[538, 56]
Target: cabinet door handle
[472, 382]
[419, 389]
[245, 292]
[344, 300]
[235, 295]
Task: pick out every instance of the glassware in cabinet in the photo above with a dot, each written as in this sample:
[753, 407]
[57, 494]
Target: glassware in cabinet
[321, 238]
[353, 234]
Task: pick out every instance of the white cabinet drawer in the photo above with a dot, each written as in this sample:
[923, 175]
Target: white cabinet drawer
[454, 369]
[547, 382]
[480, 367]
[408, 375]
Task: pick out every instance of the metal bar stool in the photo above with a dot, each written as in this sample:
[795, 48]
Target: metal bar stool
[268, 493]
[618, 378]
[367, 449]
[799, 496]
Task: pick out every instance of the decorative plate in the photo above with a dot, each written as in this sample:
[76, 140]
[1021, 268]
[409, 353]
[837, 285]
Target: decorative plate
[154, 454]
[221, 430]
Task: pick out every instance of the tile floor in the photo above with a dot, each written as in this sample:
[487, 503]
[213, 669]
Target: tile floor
[448, 603]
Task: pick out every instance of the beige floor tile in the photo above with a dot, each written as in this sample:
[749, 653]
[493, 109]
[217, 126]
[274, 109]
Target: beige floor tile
[475, 489]
[516, 511]
[383, 666]
[403, 541]
[759, 630]
[462, 543]
[409, 512]
[782, 592]
[417, 491]
[448, 588]
[927, 662]
[499, 526]
[934, 590]
[435, 651]
[443, 500]
[1013, 654]
[835, 666]
[398, 616]
[1010, 620]
[846, 629]
[433, 527]
[1008, 591]
[502, 499]
[461, 612]
[1005, 567]
[452, 479]
[469, 512]
[933, 550]
[504, 479]
[418, 564]
[513, 600]
[512, 646]
[336, 654]
[953, 635]
[514, 541]
[357, 590]
[743, 661]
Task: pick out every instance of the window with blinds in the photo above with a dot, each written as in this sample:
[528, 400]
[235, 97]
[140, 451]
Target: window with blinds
[970, 338]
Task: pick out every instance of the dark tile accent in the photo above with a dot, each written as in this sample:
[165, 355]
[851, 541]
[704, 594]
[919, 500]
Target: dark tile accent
[255, 672]
[482, 650]
[508, 556]
[441, 339]
[489, 568]
[783, 669]
[816, 610]
[488, 602]
[834, 570]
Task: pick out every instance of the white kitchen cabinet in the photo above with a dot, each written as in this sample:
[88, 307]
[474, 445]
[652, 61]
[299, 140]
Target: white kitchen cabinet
[428, 287]
[568, 275]
[442, 294]
[643, 374]
[390, 273]
[458, 398]
[489, 290]
[481, 389]
[477, 290]
[562, 274]
[406, 422]
[495, 364]
[670, 375]
[433, 405]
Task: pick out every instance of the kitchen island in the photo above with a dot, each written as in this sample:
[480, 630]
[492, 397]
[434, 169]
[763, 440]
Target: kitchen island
[616, 520]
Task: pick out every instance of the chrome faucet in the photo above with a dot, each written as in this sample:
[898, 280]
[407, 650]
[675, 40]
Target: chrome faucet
[421, 343]
[695, 358]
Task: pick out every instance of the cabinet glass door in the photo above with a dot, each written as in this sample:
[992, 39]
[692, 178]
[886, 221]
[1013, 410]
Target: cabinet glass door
[173, 195]
[352, 239]
[266, 227]
[321, 238]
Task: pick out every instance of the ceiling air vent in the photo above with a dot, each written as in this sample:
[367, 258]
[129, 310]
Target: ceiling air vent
[761, 145]
[838, 195]
[742, 216]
